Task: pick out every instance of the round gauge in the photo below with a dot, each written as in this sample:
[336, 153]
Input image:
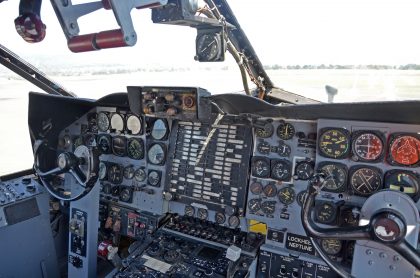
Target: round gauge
[336, 177]
[125, 195]
[104, 143]
[270, 190]
[118, 146]
[115, 190]
[281, 170]
[368, 146]
[208, 47]
[287, 195]
[264, 147]
[304, 170]
[117, 122]
[260, 168]
[403, 181]
[365, 181]
[189, 211]
[234, 221]
[160, 129]
[140, 175]
[300, 198]
[102, 171]
[115, 174]
[134, 124]
[256, 188]
[265, 132]
[284, 150]
[325, 213]
[220, 218]
[229, 210]
[103, 121]
[405, 150]
[106, 188]
[129, 172]
[202, 214]
[153, 178]
[285, 131]
[331, 246]
[135, 148]
[349, 218]
[254, 205]
[334, 143]
[268, 207]
[156, 154]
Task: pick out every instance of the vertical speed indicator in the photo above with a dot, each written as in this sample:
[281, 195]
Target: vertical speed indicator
[334, 143]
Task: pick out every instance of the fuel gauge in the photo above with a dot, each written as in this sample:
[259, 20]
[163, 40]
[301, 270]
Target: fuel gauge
[287, 195]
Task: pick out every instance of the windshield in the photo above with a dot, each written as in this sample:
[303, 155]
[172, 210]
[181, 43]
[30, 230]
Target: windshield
[367, 50]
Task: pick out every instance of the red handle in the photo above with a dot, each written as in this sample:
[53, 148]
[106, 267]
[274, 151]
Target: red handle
[97, 41]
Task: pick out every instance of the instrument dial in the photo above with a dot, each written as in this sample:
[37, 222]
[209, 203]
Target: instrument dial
[256, 188]
[103, 121]
[117, 123]
[304, 170]
[368, 146]
[264, 147]
[156, 154]
[285, 131]
[284, 150]
[270, 190]
[208, 47]
[134, 124]
[281, 170]
[349, 218]
[202, 213]
[115, 174]
[234, 221]
[336, 174]
[334, 143]
[107, 188]
[405, 150]
[125, 195]
[160, 129]
[331, 246]
[140, 175]
[154, 178]
[104, 143]
[254, 205]
[300, 198]
[135, 148]
[129, 172]
[260, 167]
[189, 211]
[268, 207]
[220, 218]
[403, 181]
[326, 212]
[287, 195]
[102, 171]
[365, 181]
[265, 132]
[119, 146]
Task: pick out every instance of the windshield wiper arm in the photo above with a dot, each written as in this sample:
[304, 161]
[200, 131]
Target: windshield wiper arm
[18, 65]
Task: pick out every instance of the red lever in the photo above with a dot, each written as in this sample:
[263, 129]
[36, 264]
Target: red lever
[96, 41]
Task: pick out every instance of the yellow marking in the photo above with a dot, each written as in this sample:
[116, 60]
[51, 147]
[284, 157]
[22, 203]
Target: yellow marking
[257, 227]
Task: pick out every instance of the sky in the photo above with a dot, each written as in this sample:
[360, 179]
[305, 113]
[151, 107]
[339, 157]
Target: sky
[282, 32]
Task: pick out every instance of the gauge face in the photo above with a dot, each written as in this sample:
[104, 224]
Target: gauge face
[256, 188]
[189, 211]
[336, 180]
[135, 148]
[287, 195]
[115, 190]
[115, 174]
[106, 188]
[325, 212]
[334, 143]
[117, 123]
[270, 190]
[140, 175]
[234, 221]
[265, 132]
[260, 167]
[254, 205]
[220, 218]
[118, 146]
[102, 171]
[129, 172]
[268, 207]
[202, 213]
[134, 124]
[159, 129]
[403, 181]
[405, 150]
[349, 218]
[154, 178]
[156, 154]
[125, 195]
[104, 143]
[368, 146]
[331, 246]
[208, 47]
[284, 150]
[285, 131]
[300, 198]
[281, 170]
[365, 181]
[304, 170]
[264, 147]
[103, 121]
